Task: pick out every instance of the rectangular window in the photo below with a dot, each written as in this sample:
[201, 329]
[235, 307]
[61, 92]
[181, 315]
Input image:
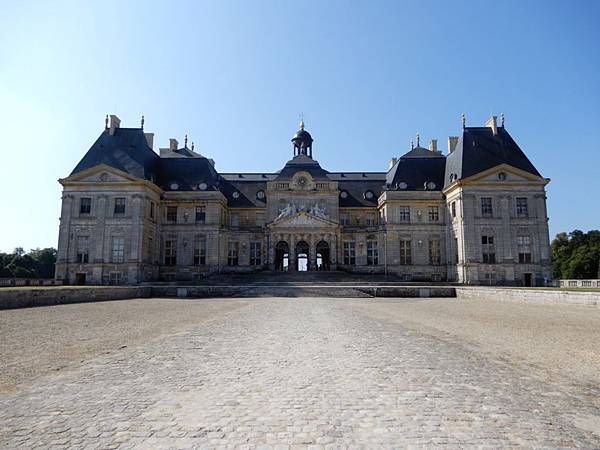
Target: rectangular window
[200, 250]
[486, 206]
[118, 250]
[233, 251]
[404, 213]
[115, 278]
[234, 220]
[152, 210]
[83, 249]
[453, 209]
[405, 252]
[255, 254]
[434, 252]
[522, 207]
[344, 219]
[524, 249]
[488, 249]
[349, 253]
[85, 206]
[120, 205]
[200, 214]
[370, 220]
[434, 214]
[170, 252]
[171, 213]
[372, 253]
[456, 250]
[260, 219]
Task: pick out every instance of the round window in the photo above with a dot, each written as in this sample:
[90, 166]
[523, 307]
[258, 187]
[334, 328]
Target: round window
[369, 195]
[430, 185]
[236, 194]
[344, 194]
[502, 176]
[260, 195]
[402, 185]
[202, 186]
[174, 186]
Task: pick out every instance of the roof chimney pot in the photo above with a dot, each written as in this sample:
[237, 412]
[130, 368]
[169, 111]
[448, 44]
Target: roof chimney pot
[393, 162]
[115, 123]
[173, 144]
[149, 139]
[492, 123]
[452, 141]
[433, 145]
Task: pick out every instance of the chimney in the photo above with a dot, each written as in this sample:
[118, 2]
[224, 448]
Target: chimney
[149, 139]
[393, 162]
[452, 141]
[173, 144]
[493, 124]
[115, 123]
[433, 145]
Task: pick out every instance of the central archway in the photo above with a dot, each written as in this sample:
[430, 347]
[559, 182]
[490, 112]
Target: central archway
[302, 256]
[282, 256]
[323, 260]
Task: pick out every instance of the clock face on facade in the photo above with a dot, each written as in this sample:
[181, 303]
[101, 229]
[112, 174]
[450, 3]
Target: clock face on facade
[302, 181]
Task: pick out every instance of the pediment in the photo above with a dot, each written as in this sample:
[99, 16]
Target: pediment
[504, 173]
[302, 219]
[101, 173]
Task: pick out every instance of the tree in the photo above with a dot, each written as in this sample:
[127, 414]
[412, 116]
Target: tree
[38, 263]
[576, 255]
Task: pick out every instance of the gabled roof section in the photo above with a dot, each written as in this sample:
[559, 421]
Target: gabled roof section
[126, 150]
[305, 164]
[417, 168]
[478, 149]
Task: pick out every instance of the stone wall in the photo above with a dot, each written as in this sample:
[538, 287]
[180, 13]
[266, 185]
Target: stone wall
[24, 297]
[529, 295]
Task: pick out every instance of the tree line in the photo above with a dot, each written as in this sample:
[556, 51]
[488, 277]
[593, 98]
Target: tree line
[38, 263]
[576, 255]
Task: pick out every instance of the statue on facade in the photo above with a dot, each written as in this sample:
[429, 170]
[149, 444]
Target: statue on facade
[286, 211]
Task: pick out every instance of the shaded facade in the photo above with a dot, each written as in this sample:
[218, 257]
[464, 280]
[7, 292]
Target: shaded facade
[476, 215]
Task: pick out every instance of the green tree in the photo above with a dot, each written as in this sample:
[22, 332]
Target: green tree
[576, 255]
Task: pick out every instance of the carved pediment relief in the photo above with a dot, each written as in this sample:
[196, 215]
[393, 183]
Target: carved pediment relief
[303, 219]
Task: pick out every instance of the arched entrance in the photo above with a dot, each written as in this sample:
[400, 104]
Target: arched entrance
[323, 261]
[302, 256]
[282, 256]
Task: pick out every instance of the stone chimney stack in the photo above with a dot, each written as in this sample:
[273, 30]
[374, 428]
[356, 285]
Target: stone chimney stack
[173, 144]
[393, 162]
[149, 139]
[115, 123]
[492, 123]
[452, 141]
[433, 145]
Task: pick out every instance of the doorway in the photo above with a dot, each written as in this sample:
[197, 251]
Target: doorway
[302, 256]
[282, 256]
[323, 262]
[527, 279]
[80, 278]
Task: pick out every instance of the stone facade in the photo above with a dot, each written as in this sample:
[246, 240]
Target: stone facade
[130, 215]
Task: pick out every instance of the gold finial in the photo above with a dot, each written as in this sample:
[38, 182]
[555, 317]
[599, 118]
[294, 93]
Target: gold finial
[106, 122]
[502, 120]
[302, 121]
[418, 140]
[463, 120]
[185, 141]
[142, 122]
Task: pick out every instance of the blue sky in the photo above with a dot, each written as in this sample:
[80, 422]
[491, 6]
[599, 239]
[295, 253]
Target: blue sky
[235, 76]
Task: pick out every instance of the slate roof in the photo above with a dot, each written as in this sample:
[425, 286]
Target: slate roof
[188, 173]
[478, 150]
[416, 168]
[303, 163]
[126, 150]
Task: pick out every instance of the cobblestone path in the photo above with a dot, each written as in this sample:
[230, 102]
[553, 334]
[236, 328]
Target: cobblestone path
[297, 373]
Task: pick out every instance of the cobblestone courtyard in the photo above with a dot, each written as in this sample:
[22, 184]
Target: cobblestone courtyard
[298, 373]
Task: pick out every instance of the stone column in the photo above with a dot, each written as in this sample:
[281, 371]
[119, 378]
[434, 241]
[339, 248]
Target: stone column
[101, 255]
[542, 223]
[292, 254]
[312, 253]
[507, 241]
[64, 238]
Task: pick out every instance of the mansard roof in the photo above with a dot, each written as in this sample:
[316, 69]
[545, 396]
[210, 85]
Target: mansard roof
[478, 149]
[187, 173]
[126, 150]
[417, 168]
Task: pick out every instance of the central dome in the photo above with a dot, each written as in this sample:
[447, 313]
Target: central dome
[302, 142]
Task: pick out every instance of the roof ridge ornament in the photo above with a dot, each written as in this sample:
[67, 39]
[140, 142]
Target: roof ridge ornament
[412, 145]
[463, 120]
[142, 122]
[192, 146]
[418, 140]
[185, 139]
[106, 122]
[502, 120]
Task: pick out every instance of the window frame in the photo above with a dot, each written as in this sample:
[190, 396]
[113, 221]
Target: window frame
[405, 252]
[87, 206]
[120, 206]
[372, 252]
